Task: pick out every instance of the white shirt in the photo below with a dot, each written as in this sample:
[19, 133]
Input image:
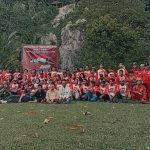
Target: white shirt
[64, 92]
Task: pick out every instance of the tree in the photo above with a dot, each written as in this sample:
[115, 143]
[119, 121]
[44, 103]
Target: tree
[22, 22]
[110, 43]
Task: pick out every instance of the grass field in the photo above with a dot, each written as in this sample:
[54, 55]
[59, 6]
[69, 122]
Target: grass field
[78, 126]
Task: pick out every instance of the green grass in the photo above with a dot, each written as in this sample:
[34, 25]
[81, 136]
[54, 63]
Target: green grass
[109, 127]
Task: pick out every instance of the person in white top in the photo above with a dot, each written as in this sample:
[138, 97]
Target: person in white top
[64, 93]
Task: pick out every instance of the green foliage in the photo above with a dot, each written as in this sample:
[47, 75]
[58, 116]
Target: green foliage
[129, 36]
[110, 42]
[25, 21]
[22, 22]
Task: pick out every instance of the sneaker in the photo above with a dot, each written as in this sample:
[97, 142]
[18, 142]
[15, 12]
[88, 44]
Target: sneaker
[3, 102]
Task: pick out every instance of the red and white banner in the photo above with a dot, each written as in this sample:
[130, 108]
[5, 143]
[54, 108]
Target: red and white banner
[39, 57]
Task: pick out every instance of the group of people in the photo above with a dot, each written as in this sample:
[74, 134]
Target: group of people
[87, 84]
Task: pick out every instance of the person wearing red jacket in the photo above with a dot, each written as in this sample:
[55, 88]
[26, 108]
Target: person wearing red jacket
[92, 78]
[121, 77]
[112, 89]
[132, 79]
[1, 76]
[53, 72]
[146, 80]
[87, 71]
[122, 67]
[92, 95]
[76, 90]
[33, 76]
[134, 67]
[44, 85]
[111, 74]
[81, 70]
[84, 90]
[123, 92]
[103, 92]
[14, 86]
[101, 71]
[16, 74]
[139, 92]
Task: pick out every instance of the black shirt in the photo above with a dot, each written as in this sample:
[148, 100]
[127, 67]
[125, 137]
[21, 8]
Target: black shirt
[40, 95]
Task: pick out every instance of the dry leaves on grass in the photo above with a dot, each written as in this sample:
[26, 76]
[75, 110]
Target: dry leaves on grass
[87, 113]
[148, 148]
[85, 106]
[35, 135]
[1, 118]
[97, 110]
[116, 120]
[33, 113]
[75, 126]
[46, 121]
[113, 107]
[75, 117]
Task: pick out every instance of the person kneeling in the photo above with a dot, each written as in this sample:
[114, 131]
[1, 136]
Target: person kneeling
[52, 94]
[64, 93]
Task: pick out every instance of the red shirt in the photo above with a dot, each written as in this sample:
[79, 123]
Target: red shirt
[103, 90]
[103, 72]
[124, 90]
[112, 90]
[141, 90]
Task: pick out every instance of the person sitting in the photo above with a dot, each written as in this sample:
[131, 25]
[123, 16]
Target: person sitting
[14, 87]
[123, 93]
[103, 92]
[40, 94]
[12, 93]
[101, 72]
[122, 67]
[64, 93]
[52, 94]
[76, 90]
[84, 90]
[112, 89]
[3, 92]
[28, 96]
[121, 77]
[92, 92]
[139, 92]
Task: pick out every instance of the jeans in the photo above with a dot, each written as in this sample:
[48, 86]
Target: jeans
[92, 97]
[12, 99]
[119, 98]
[106, 98]
[64, 101]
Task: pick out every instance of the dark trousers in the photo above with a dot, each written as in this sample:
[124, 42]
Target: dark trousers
[119, 98]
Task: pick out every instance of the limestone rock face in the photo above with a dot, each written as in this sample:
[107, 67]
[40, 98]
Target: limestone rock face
[49, 39]
[72, 39]
[63, 11]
